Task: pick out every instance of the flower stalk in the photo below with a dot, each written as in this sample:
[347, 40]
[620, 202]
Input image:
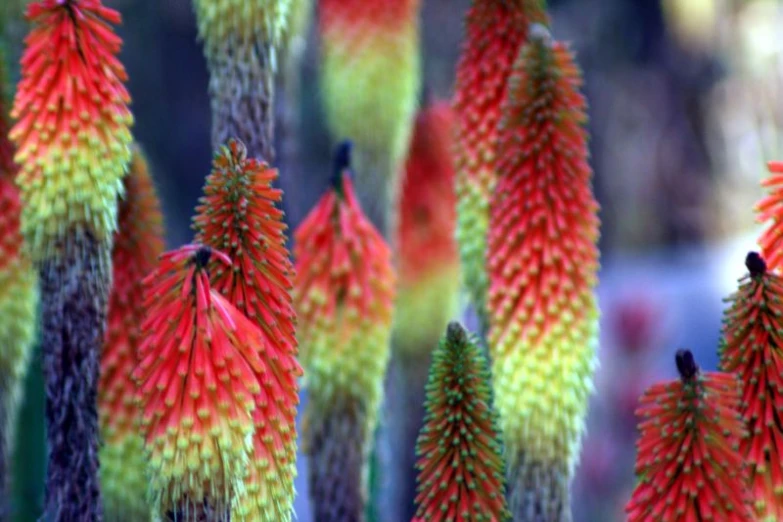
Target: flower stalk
[72, 134]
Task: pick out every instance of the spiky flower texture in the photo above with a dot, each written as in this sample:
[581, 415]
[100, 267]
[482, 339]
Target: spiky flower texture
[201, 375]
[137, 245]
[751, 348]
[240, 43]
[688, 457]
[72, 123]
[461, 468]
[543, 263]
[238, 215]
[344, 295]
[495, 31]
[370, 84]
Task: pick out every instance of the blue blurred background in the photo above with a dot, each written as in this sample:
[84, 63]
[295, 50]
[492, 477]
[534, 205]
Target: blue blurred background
[685, 110]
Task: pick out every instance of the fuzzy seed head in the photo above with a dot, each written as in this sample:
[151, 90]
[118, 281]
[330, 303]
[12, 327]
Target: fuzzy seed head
[72, 126]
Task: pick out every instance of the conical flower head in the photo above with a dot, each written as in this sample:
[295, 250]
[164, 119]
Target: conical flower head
[203, 370]
[428, 261]
[72, 128]
[461, 468]
[7, 164]
[688, 458]
[770, 208]
[495, 30]
[137, 245]
[238, 216]
[543, 258]
[221, 21]
[344, 296]
[370, 82]
[752, 348]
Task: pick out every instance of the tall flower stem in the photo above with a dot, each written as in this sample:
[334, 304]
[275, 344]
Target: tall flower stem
[73, 141]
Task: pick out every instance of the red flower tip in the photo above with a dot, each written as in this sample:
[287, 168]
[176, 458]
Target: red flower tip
[204, 368]
[688, 457]
[237, 215]
[752, 348]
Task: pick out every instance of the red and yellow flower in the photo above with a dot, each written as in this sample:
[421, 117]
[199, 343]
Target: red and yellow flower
[137, 245]
[344, 296]
[543, 259]
[770, 209]
[428, 260]
[238, 215]
[204, 371]
[495, 31]
[370, 81]
[72, 123]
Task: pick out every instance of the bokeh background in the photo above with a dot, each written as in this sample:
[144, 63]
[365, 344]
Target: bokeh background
[685, 110]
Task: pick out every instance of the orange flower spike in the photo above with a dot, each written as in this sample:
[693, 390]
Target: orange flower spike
[688, 457]
[370, 79]
[197, 381]
[495, 31]
[344, 295]
[770, 208]
[752, 347]
[72, 129]
[137, 245]
[238, 215]
[428, 260]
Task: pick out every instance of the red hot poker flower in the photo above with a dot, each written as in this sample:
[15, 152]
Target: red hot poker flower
[688, 459]
[137, 245]
[204, 368]
[752, 347]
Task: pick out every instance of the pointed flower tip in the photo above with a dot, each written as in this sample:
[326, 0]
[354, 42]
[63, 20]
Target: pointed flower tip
[459, 411]
[73, 144]
[688, 455]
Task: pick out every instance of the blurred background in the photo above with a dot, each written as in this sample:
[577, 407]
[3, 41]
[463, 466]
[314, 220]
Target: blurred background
[685, 110]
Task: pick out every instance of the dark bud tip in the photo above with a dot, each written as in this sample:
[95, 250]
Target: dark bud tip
[341, 164]
[201, 257]
[456, 333]
[686, 365]
[755, 264]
